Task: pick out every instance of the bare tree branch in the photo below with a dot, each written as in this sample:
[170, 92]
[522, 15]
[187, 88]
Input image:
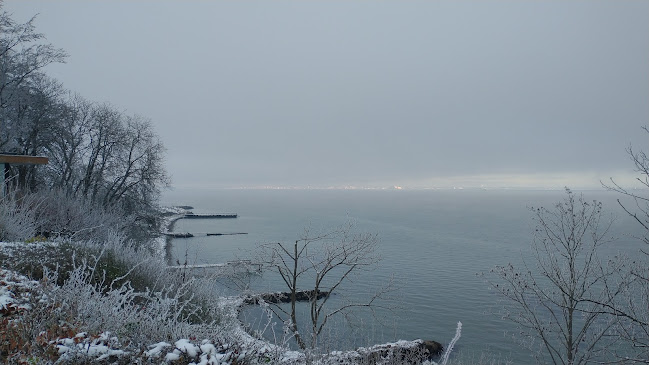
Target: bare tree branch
[327, 261]
[560, 301]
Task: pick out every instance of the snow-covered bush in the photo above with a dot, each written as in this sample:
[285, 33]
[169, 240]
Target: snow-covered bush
[61, 215]
[116, 255]
[16, 218]
[81, 323]
[73, 227]
[53, 214]
[114, 258]
[139, 317]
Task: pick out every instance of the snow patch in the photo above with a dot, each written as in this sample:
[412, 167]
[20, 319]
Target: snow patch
[99, 348]
[156, 349]
[15, 291]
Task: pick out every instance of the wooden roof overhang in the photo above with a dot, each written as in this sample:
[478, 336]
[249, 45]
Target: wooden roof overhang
[6, 160]
[23, 160]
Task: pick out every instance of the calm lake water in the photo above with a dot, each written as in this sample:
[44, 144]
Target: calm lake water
[435, 243]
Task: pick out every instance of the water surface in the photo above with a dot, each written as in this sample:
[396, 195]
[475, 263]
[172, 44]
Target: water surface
[433, 243]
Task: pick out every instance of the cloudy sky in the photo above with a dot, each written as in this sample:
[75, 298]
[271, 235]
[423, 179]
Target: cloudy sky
[367, 93]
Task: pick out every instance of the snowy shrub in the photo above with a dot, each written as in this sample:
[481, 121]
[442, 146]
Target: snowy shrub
[140, 317]
[113, 260]
[54, 214]
[82, 322]
[61, 215]
[116, 255]
[16, 218]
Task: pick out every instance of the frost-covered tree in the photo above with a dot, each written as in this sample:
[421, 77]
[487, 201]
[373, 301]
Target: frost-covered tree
[23, 54]
[30, 122]
[28, 106]
[96, 151]
[111, 158]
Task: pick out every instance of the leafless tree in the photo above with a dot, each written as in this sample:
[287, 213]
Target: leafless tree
[634, 310]
[97, 152]
[317, 265]
[23, 54]
[68, 145]
[111, 158]
[640, 212]
[140, 171]
[559, 302]
[30, 122]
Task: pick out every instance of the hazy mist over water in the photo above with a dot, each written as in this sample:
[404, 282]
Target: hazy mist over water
[432, 242]
[370, 94]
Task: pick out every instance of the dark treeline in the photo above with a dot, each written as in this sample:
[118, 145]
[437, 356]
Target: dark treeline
[96, 151]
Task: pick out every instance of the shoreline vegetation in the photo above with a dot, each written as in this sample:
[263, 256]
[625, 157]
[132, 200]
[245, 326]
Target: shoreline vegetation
[116, 303]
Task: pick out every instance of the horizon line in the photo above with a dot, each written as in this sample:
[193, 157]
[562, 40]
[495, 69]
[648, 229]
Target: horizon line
[393, 188]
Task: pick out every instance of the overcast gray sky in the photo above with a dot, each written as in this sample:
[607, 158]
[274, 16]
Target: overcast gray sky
[367, 93]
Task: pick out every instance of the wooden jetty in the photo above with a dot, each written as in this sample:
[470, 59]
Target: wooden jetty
[179, 235]
[190, 235]
[204, 216]
[224, 234]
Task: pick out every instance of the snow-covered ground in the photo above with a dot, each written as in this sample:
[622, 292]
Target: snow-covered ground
[16, 292]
